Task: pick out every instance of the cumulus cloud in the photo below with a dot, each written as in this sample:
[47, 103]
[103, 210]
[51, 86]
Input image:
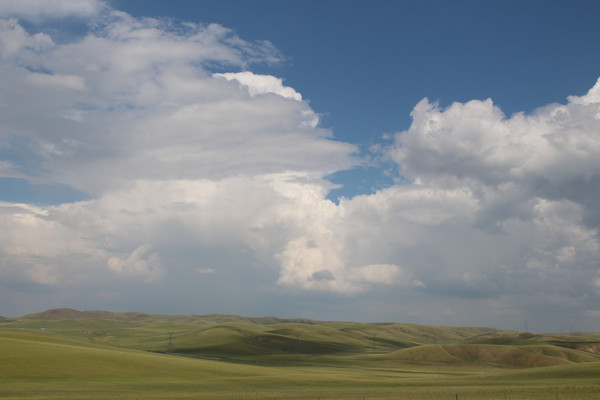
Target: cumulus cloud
[50, 8]
[40, 245]
[551, 154]
[261, 84]
[145, 77]
[527, 220]
[131, 115]
[140, 263]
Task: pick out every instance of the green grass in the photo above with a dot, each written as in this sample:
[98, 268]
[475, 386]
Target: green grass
[35, 366]
[116, 358]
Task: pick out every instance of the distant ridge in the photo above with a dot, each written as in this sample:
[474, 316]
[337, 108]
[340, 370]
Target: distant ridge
[259, 320]
[69, 313]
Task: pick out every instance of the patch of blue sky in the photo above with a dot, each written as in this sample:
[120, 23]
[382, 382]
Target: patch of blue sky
[16, 190]
[25, 161]
[360, 180]
[375, 172]
[62, 30]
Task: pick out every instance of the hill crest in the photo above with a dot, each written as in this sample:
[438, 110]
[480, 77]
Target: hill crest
[69, 313]
[272, 339]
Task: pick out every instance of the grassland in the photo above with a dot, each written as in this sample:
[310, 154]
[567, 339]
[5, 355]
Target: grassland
[62, 354]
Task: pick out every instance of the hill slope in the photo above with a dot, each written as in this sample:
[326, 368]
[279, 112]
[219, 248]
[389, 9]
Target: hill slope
[273, 340]
[38, 366]
[498, 355]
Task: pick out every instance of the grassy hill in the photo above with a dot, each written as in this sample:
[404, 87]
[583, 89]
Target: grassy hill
[497, 355]
[271, 340]
[49, 367]
[235, 337]
[35, 365]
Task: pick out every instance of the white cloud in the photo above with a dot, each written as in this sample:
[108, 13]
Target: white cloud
[550, 154]
[526, 220]
[63, 81]
[50, 8]
[143, 77]
[38, 244]
[261, 84]
[139, 263]
[591, 97]
[14, 38]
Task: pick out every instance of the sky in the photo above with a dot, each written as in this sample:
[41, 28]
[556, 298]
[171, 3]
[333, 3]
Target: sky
[427, 162]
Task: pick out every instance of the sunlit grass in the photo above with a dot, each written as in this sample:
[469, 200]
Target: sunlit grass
[38, 366]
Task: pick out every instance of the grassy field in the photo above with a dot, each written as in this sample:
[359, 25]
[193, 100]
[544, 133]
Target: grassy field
[228, 357]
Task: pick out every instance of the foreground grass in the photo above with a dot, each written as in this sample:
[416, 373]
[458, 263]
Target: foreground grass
[41, 367]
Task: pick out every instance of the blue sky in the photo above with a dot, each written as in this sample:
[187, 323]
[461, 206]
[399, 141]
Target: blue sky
[335, 159]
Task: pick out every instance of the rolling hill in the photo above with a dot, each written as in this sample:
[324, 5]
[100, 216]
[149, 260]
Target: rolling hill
[269, 340]
[496, 355]
[64, 353]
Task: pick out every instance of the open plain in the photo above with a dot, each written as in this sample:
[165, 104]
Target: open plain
[64, 353]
